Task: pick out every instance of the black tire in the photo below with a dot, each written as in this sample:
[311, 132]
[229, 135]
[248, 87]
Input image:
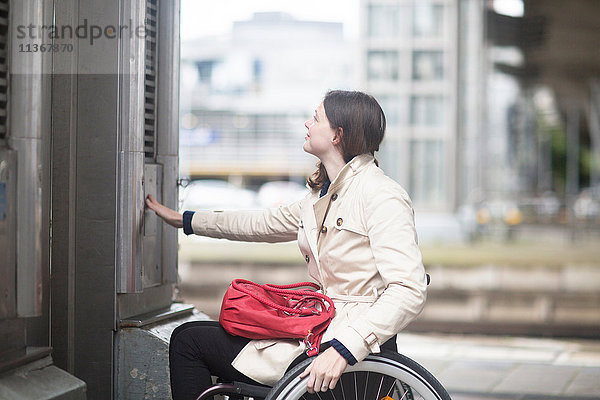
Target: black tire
[387, 374]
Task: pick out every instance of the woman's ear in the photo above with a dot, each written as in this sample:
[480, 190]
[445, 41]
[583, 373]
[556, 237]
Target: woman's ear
[338, 136]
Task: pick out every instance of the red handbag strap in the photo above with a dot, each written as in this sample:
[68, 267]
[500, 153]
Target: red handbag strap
[279, 289]
[293, 285]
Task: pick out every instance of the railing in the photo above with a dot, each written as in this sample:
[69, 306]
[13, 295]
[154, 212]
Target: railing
[249, 153]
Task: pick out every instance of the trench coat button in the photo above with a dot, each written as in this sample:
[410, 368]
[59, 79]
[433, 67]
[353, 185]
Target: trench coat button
[307, 258]
[339, 222]
[324, 229]
[334, 197]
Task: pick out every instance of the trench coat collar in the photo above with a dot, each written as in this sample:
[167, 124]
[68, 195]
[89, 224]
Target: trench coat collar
[315, 213]
[350, 169]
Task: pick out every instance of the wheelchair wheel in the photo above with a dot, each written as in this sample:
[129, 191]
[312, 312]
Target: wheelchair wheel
[384, 376]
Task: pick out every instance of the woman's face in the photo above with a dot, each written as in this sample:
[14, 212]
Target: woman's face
[320, 139]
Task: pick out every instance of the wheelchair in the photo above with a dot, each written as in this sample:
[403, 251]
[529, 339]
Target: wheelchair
[387, 375]
[383, 376]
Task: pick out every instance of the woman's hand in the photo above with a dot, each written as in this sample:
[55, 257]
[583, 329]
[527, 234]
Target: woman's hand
[325, 371]
[171, 217]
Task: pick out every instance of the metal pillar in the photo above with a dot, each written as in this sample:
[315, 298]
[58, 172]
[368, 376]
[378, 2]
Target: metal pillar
[25, 355]
[64, 189]
[572, 177]
[111, 261]
[84, 202]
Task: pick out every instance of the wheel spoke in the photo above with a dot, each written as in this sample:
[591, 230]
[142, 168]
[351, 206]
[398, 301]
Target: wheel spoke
[404, 394]
[391, 388]
[388, 377]
[379, 389]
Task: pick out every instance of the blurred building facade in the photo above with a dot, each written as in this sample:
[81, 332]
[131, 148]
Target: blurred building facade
[410, 52]
[487, 103]
[482, 107]
[245, 96]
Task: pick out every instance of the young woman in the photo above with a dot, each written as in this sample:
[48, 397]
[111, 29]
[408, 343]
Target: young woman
[355, 230]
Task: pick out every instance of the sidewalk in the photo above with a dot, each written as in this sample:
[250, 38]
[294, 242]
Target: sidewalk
[481, 367]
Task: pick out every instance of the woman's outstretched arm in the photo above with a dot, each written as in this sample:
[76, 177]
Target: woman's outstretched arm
[268, 225]
[170, 216]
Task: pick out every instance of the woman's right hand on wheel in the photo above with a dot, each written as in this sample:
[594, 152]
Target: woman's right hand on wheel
[171, 217]
[325, 371]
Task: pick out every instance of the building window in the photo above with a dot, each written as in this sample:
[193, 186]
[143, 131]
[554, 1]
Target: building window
[428, 65]
[205, 70]
[427, 110]
[395, 109]
[428, 20]
[388, 21]
[427, 172]
[257, 70]
[383, 65]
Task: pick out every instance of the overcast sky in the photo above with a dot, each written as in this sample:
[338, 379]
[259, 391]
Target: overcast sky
[206, 18]
[203, 17]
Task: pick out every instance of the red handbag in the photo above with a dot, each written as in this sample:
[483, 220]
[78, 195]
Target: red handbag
[256, 311]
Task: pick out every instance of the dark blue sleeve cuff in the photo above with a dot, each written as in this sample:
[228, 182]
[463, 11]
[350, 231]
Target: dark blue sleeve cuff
[187, 222]
[344, 352]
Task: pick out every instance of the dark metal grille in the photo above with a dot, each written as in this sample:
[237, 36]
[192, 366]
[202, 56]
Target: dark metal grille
[3, 66]
[150, 81]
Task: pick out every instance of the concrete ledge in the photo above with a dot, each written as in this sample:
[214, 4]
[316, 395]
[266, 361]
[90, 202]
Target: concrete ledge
[143, 353]
[40, 380]
[19, 357]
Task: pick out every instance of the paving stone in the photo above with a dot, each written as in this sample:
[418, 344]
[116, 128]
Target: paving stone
[579, 278]
[587, 382]
[433, 366]
[538, 379]
[528, 278]
[476, 377]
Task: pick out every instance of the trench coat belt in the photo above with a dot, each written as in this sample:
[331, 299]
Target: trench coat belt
[343, 298]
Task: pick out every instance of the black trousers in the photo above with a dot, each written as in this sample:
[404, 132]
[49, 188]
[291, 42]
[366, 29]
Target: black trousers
[201, 349]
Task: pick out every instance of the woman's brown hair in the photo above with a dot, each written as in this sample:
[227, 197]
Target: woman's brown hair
[363, 125]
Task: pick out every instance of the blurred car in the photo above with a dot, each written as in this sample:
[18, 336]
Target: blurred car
[587, 204]
[498, 217]
[278, 193]
[499, 212]
[214, 194]
[544, 209]
[548, 206]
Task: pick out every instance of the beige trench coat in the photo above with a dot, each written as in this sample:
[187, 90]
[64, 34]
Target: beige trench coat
[360, 245]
